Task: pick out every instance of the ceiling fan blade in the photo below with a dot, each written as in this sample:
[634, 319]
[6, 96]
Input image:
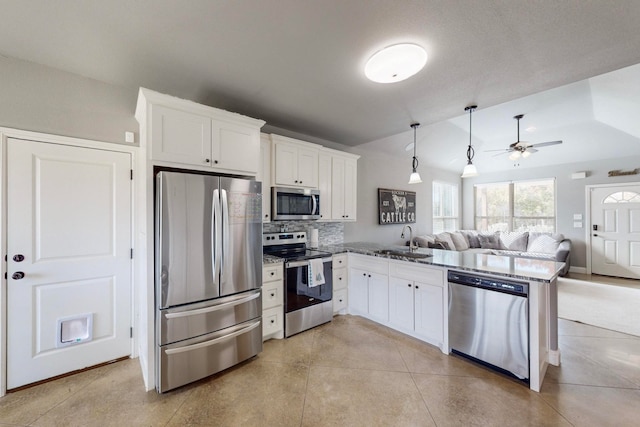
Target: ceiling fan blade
[500, 154]
[531, 150]
[506, 150]
[544, 144]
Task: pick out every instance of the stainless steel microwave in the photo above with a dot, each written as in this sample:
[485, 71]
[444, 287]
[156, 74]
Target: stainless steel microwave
[294, 204]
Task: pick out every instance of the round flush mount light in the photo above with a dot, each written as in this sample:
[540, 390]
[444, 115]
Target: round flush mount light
[395, 63]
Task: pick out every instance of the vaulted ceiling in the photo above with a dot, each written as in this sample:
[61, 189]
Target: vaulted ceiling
[299, 66]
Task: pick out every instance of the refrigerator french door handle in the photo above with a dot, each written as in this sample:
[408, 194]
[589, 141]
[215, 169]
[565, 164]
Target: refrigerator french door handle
[216, 252]
[249, 328]
[212, 308]
[227, 258]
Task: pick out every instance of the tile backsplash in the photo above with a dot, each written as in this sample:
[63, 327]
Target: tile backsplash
[329, 233]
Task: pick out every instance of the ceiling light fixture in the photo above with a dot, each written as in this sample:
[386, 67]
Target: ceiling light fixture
[470, 169]
[395, 63]
[415, 176]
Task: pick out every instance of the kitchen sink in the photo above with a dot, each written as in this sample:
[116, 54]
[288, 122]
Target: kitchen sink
[401, 253]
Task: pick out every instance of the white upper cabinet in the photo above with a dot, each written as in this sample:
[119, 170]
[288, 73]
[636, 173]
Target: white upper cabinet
[338, 179]
[294, 162]
[324, 185]
[264, 175]
[184, 132]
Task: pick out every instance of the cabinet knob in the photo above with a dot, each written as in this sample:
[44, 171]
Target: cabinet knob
[340, 300]
[207, 160]
[215, 161]
[364, 274]
[369, 275]
[273, 295]
[409, 284]
[266, 215]
[272, 273]
[273, 321]
[339, 278]
[416, 286]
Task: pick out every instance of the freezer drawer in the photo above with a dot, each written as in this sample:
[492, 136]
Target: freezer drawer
[191, 360]
[181, 323]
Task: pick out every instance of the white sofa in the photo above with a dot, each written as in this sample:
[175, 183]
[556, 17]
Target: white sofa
[519, 244]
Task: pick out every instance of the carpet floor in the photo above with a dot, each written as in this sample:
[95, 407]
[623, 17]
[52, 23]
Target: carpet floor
[606, 305]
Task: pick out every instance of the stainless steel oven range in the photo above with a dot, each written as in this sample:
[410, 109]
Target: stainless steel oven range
[307, 280]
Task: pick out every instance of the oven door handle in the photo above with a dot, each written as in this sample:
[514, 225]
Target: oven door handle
[294, 264]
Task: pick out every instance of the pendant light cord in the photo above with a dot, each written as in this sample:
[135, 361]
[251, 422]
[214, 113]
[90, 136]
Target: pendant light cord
[414, 163]
[470, 151]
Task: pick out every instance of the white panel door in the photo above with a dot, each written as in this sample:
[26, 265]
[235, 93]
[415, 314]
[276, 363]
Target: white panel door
[615, 231]
[69, 266]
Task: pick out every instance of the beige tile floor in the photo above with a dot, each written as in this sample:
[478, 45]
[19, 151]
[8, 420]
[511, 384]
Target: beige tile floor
[353, 372]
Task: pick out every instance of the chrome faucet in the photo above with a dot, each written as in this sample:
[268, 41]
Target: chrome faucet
[412, 248]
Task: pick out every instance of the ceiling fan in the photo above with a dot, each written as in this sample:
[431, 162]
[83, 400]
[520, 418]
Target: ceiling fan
[522, 148]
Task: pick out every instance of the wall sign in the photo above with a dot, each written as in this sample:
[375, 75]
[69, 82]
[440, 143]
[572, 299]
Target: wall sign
[396, 206]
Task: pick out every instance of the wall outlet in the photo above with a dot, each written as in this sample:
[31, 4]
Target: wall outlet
[129, 137]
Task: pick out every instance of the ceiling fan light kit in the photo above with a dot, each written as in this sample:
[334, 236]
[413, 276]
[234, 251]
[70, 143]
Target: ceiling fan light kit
[414, 178]
[470, 169]
[522, 149]
[395, 63]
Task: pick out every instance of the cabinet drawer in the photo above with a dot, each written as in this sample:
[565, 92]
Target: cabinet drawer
[418, 273]
[271, 272]
[339, 278]
[339, 261]
[273, 322]
[340, 300]
[271, 294]
[368, 263]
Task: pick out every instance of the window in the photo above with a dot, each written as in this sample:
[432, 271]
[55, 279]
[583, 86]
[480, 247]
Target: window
[516, 206]
[445, 207]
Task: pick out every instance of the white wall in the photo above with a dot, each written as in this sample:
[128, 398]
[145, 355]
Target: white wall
[378, 170]
[570, 194]
[43, 99]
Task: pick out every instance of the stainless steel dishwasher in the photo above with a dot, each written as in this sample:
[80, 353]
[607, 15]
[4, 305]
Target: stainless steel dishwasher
[488, 321]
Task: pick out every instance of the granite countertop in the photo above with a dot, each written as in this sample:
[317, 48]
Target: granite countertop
[270, 259]
[529, 269]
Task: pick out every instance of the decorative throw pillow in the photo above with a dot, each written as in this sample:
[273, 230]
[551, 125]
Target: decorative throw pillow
[459, 241]
[423, 241]
[437, 245]
[445, 237]
[489, 241]
[514, 240]
[545, 243]
[472, 238]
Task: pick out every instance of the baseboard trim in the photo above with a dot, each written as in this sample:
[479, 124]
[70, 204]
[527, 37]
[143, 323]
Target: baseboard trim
[579, 270]
[554, 357]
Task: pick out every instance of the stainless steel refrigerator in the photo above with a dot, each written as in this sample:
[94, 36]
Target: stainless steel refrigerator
[208, 274]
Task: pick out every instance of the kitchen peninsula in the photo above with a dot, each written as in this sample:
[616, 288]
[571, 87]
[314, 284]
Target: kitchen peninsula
[408, 291]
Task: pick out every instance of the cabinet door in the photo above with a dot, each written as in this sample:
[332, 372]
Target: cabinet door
[401, 303]
[235, 147]
[350, 189]
[379, 297]
[429, 312]
[337, 188]
[180, 137]
[324, 185]
[307, 167]
[286, 164]
[358, 291]
[264, 175]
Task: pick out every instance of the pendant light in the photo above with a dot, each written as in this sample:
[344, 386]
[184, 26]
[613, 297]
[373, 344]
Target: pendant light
[470, 169]
[415, 176]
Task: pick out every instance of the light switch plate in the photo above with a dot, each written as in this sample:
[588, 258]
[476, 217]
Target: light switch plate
[577, 217]
[577, 224]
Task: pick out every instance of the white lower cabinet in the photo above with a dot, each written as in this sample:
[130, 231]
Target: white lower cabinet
[405, 296]
[272, 301]
[340, 291]
[369, 287]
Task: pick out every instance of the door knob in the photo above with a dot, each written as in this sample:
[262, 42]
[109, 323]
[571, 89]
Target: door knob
[18, 258]
[17, 275]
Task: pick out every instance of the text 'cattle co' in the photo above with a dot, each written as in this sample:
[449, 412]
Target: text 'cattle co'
[396, 206]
